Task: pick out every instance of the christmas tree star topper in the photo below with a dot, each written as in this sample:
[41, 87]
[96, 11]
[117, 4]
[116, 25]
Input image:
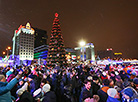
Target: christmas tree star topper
[56, 14]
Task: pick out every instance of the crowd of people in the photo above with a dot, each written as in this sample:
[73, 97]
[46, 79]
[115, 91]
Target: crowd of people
[73, 83]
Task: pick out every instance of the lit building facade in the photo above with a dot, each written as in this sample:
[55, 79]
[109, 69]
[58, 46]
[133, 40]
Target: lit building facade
[40, 44]
[70, 54]
[23, 42]
[90, 54]
[41, 52]
[86, 52]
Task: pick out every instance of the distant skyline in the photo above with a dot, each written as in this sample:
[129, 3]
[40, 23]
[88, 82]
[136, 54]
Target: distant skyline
[105, 23]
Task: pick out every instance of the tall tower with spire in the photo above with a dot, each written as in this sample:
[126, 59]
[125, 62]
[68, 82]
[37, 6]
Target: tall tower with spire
[56, 51]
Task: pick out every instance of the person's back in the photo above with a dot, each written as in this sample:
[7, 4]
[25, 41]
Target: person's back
[26, 97]
[102, 93]
[95, 87]
[6, 97]
[49, 97]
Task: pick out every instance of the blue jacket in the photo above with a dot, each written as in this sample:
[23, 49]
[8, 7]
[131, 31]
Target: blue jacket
[5, 87]
[111, 99]
[32, 86]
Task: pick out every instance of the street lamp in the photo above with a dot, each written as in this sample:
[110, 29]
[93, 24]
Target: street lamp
[3, 52]
[8, 48]
[82, 44]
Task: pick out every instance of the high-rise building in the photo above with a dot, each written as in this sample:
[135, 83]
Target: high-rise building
[90, 54]
[40, 44]
[40, 37]
[87, 52]
[23, 42]
[41, 52]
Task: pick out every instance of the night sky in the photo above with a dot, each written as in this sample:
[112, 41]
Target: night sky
[105, 23]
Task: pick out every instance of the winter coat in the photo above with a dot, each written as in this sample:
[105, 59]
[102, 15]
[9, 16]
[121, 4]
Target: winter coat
[119, 83]
[10, 77]
[132, 94]
[26, 97]
[85, 94]
[95, 87]
[32, 87]
[5, 87]
[111, 99]
[113, 78]
[102, 93]
[49, 97]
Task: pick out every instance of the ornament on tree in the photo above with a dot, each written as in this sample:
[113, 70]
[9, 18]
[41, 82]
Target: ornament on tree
[56, 41]
[58, 54]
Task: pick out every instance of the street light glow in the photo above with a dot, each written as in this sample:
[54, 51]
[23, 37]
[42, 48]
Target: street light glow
[9, 48]
[4, 53]
[82, 43]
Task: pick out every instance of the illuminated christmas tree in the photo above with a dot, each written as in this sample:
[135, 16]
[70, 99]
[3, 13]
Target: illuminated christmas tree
[56, 51]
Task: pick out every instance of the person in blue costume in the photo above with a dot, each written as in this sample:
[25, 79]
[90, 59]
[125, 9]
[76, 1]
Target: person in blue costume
[5, 87]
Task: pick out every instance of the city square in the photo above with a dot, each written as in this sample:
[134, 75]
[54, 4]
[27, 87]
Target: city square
[75, 51]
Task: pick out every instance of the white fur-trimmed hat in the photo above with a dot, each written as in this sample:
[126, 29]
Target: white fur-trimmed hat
[46, 88]
[89, 78]
[37, 92]
[20, 91]
[111, 92]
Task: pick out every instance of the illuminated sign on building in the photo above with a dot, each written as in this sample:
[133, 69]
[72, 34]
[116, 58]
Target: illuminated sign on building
[25, 29]
[117, 53]
[23, 42]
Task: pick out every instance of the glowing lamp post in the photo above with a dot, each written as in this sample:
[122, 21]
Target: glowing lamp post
[3, 53]
[82, 44]
[8, 48]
